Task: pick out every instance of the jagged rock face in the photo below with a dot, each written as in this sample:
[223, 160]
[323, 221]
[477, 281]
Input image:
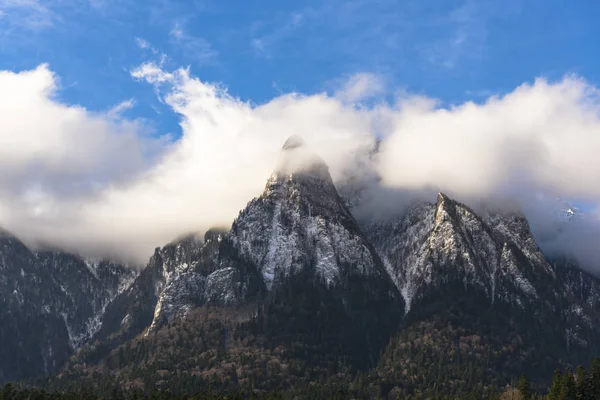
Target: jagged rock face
[34, 338]
[299, 225]
[179, 276]
[312, 259]
[88, 287]
[493, 258]
[311, 278]
[132, 311]
[301, 222]
[206, 279]
[438, 243]
[580, 293]
[183, 293]
[50, 305]
[308, 275]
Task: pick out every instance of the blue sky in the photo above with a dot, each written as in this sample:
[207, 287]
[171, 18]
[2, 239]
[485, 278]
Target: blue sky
[451, 50]
[111, 146]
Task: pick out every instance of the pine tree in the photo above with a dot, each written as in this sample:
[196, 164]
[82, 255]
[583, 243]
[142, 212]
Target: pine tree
[7, 392]
[595, 379]
[524, 388]
[582, 384]
[556, 387]
[568, 390]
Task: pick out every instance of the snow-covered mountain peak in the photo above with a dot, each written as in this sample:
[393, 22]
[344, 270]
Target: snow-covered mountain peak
[293, 142]
[441, 198]
[298, 161]
[433, 244]
[455, 214]
[443, 209]
[300, 222]
[298, 226]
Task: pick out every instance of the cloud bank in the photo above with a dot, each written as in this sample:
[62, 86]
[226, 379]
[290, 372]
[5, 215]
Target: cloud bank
[98, 183]
[54, 158]
[541, 135]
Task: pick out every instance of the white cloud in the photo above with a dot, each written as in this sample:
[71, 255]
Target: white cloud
[39, 133]
[361, 86]
[54, 157]
[228, 150]
[121, 204]
[142, 44]
[84, 180]
[152, 73]
[543, 135]
[116, 111]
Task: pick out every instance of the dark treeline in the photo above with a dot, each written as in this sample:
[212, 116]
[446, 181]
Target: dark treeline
[581, 384]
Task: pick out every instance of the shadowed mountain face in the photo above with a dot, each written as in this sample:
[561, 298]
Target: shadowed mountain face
[297, 288]
[50, 305]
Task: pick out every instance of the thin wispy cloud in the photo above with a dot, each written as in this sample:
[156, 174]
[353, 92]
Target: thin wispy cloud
[381, 32]
[263, 43]
[33, 15]
[145, 45]
[142, 44]
[466, 28]
[116, 112]
[196, 47]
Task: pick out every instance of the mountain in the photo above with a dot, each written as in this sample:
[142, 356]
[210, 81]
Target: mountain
[295, 243]
[325, 283]
[439, 245]
[50, 305]
[160, 291]
[482, 279]
[298, 295]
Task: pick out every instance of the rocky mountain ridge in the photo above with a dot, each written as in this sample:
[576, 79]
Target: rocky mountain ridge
[51, 304]
[319, 285]
[298, 225]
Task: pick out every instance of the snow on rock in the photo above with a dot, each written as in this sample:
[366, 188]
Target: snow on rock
[403, 245]
[434, 243]
[181, 294]
[222, 287]
[300, 222]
